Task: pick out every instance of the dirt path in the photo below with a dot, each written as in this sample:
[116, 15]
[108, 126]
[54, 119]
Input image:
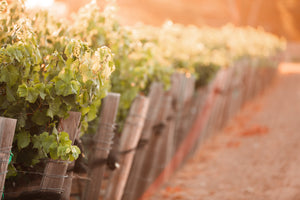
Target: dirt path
[256, 157]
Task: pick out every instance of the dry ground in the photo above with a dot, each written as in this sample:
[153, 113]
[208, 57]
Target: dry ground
[255, 157]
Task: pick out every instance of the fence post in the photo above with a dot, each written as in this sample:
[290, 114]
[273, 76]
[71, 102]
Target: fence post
[7, 131]
[129, 140]
[103, 140]
[55, 170]
[155, 100]
[214, 90]
[186, 118]
[154, 152]
[180, 95]
[166, 144]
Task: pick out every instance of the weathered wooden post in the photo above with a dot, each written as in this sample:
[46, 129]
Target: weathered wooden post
[165, 145]
[155, 101]
[102, 144]
[181, 95]
[188, 108]
[7, 131]
[129, 139]
[214, 92]
[225, 94]
[154, 152]
[55, 170]
[198, 104]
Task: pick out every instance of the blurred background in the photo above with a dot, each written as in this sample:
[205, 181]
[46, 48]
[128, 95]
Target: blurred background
[280, 17]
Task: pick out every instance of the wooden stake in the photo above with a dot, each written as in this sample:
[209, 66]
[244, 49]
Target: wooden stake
[103, 140]
[129, 140]
[7, 131]
[155, 102]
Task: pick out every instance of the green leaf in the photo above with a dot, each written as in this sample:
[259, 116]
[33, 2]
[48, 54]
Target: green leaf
[48, 142]
[66, 75]
[54, 107]
[33, 94]
[75, 151]
[64, 88]
[37, 144]
[22, 119]
[4, 75]
[13, 75]
[92, 114]
[37, 140]
[23, 139]
[54, 131]
[10, 94]
[22, 90]
[12, 171]
[53, 151]
[62, 150]
[68, 50]
[40, 117]
[75, 85]
[40, 87]
[70, 100]
[64, 138]
[85, 110]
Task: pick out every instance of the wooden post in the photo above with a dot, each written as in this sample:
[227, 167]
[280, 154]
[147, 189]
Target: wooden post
[55, 170]
[103, 140]
[7, 131]
[251, 82]
[155, 102]
[154, 151]
[236, 90]
[165, 145]
[129, 140]
[214, 90]
[198, 104]
[178, 93]
[225, 99]
[217, 108]
[182, 96]
[245, 83]
[182, 116]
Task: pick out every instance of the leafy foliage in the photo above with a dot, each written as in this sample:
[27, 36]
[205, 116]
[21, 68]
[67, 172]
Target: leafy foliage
[138, 64]
[202, 51]
[42, 81]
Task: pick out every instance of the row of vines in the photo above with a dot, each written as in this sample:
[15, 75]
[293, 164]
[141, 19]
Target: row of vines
[51, 66]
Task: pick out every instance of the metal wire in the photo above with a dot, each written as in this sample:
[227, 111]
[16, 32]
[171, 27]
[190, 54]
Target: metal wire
[59, 161]
[2, 173]
[133, 124]
[59, 190]
[55, 176]
[103, 149]
[4, 161]
[108, 125]
[137, 115]
[8, 148]
[39, 173]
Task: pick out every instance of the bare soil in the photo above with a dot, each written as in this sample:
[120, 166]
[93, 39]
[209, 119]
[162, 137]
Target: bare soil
[255, 157]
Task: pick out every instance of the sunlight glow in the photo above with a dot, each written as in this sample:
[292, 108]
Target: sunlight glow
[38, 3]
